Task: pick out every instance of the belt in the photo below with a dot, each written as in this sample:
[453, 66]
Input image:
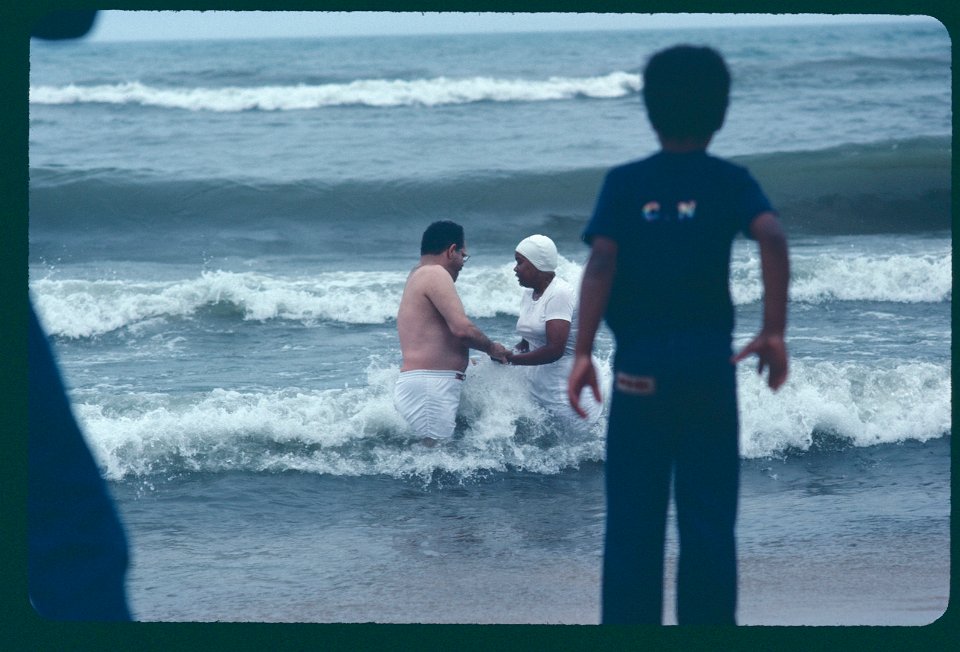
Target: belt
[456, 375]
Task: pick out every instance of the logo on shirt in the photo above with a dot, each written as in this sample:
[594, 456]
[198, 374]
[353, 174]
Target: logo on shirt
[685, 211]
[651, 211]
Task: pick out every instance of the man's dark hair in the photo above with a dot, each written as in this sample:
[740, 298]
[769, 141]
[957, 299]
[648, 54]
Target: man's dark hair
[686, 90]
[439, 236]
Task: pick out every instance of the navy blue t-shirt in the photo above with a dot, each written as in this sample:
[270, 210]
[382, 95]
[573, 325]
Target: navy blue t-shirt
[674, 218]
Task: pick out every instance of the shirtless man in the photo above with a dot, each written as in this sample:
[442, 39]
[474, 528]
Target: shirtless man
[436, 336]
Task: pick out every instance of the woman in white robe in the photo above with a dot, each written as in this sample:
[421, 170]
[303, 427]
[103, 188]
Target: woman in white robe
[548, 328]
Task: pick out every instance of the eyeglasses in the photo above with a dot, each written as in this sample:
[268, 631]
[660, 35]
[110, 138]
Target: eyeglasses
[465, 255]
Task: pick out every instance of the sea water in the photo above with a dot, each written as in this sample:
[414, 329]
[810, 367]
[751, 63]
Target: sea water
[219, 235]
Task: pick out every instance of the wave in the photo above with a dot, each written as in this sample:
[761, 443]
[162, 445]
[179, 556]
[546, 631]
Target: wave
[851, 64]
[846, 403]
[889, 187]
[77, 308]
[82, 309]
[437, 91]
[357, 431]
[885, 187]
[842, 274]
[350, 431]
[78, 200]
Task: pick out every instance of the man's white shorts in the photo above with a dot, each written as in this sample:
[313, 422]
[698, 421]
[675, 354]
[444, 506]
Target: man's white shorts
[428, 401]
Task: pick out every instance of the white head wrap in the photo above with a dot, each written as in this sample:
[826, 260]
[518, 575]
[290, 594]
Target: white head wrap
[540, 251]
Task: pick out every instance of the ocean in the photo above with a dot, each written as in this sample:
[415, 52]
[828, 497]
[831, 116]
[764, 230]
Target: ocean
[219, 234]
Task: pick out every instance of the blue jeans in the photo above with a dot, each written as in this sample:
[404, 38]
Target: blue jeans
[672, 417]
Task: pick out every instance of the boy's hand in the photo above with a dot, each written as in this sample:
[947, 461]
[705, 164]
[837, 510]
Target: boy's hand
[581, 375]
[772, 351]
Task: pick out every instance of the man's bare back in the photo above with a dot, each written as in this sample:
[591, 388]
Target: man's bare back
[430, 310]
[436, 336]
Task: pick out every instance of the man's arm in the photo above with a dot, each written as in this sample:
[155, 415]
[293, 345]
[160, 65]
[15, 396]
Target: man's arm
[770, 345]
[594, 294]
[443, 295]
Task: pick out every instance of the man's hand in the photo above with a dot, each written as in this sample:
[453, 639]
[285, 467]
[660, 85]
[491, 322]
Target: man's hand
[499, 352]
[582, 375]
[772, 351]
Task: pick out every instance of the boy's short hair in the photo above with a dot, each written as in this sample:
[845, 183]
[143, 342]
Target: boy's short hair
[439, 236]
[686, 90]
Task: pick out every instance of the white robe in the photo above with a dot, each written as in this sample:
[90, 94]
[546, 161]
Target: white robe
[548, 382]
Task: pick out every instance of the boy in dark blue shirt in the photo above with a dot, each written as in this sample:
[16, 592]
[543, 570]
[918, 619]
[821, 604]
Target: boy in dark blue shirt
[658, 272]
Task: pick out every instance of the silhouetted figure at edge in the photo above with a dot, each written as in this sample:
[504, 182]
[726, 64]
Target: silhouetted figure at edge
[76, 547]
[77, 555]
[658, 272]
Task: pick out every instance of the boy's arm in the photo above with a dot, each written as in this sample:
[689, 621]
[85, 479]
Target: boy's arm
[769, 344]
[594, 294]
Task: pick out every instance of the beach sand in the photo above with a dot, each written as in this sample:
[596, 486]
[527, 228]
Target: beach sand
[523, 549]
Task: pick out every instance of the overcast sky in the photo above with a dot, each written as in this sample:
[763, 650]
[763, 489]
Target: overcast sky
[165, 25]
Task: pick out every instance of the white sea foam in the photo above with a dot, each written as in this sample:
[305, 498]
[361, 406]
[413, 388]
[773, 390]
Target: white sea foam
[862, 404]
[80, 308]
[357, 431]
[364, 92]
[84, 308]
[348, 431]
[851, 276]
[899, 278]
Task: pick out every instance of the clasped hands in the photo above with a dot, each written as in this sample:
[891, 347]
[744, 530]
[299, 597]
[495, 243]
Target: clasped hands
[499, 353]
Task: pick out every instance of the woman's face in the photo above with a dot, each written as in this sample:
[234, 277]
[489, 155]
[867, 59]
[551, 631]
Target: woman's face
[525, 271]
